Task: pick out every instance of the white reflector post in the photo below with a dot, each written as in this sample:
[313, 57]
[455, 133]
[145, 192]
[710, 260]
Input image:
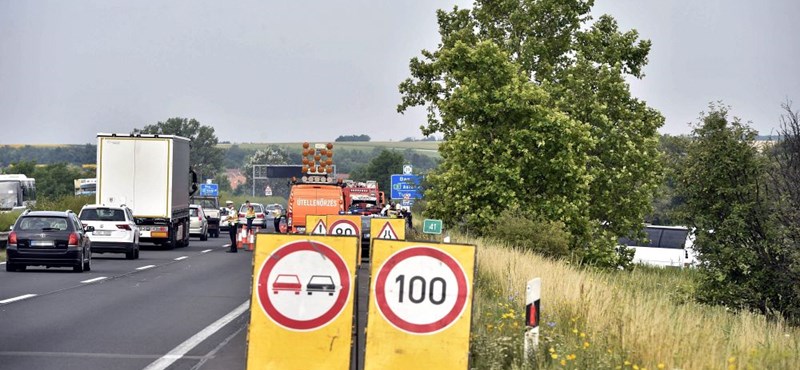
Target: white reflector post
[533, 293]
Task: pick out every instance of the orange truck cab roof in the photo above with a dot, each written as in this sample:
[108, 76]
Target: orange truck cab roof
[312, 199]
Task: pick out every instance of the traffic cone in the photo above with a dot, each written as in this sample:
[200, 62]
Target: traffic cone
[241, 237]
[251, 240]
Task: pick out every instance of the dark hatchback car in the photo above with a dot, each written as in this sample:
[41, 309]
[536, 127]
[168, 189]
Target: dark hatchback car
[51, 239]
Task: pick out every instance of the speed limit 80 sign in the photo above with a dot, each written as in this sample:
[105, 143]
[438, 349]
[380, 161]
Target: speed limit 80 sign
[421, 298]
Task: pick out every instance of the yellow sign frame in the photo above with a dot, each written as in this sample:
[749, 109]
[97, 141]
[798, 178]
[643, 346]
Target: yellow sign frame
[442, 347]
[275, 346]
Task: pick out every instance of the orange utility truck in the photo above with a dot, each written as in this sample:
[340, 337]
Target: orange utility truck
[317, 192]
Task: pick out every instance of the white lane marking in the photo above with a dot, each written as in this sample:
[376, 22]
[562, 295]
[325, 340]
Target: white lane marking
[226, 245]
[206, 251]
[2, 263]
[145, 267]
[93, 280]
[178, 352]
[181, 258]
[19, 298]
[88, 355]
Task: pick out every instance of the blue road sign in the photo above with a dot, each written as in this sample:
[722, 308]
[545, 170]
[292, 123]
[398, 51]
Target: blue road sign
[209, 190]
[406, 186]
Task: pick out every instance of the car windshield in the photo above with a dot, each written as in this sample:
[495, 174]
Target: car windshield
[43, 223]
[102, 214]
[8, 194]
[193, 212]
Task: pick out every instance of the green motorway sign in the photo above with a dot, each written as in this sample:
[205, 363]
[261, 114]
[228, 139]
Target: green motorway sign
[432, 226]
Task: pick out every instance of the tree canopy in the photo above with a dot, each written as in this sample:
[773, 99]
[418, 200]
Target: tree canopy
[204, 156]
[344, 138]
[381, 168]
[532, 100]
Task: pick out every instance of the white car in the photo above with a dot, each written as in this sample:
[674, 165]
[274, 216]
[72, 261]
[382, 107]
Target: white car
[114, 229]
[198, 222]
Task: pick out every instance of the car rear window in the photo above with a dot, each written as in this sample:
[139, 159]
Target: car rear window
[37, 223]
[256, 207]
[102, 214]
[193, 212]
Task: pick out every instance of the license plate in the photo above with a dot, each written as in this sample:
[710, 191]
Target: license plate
[41, 243]
[102, 233]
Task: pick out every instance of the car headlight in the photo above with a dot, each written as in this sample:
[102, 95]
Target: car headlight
[301, 230]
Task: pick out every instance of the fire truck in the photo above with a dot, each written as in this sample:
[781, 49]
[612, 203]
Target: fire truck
[363, 198]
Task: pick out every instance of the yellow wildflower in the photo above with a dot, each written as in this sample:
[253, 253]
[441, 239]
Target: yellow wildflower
[731, 360]
[554, 356]
[571, 356]
[627, 362]
[563, 363]
[574, 331]
[661, 366]
[583, 335]
[635, 367]
[585, 345]
[551, 350]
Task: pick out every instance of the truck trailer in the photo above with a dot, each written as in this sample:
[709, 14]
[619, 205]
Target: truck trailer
[151, 175]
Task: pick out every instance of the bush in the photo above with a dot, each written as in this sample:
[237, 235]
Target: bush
[71, 202]
[8, 219]
[548, 238]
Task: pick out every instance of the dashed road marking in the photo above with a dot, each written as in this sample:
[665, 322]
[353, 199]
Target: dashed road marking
[206, 251]
[181, 258]
[93, 280]
[145, 267]
[19, 298]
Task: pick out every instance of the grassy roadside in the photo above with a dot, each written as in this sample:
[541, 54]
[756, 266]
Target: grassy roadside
[2, 254]
[614, 320]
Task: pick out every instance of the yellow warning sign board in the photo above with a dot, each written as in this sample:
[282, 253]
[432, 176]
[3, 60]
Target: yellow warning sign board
[301, 306]
[316, 225]
[346, 225]
[387, 228]
[420, 305]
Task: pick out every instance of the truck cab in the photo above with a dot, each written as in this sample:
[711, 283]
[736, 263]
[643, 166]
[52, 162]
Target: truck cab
[312, 199]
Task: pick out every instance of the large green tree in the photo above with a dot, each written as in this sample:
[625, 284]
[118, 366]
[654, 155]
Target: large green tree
[532, 100]
[204, 156]
[747, 258]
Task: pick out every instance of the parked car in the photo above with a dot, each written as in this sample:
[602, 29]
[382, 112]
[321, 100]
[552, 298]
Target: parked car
[198, 222]
[261, 216]
[51, 239]
[665, 246]
[114, 229]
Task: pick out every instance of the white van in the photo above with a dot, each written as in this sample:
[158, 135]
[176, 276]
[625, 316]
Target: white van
[665, 246]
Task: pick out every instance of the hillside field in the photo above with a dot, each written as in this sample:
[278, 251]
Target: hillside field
[423, 147]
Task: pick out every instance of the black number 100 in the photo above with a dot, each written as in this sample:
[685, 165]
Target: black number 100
[417, 287]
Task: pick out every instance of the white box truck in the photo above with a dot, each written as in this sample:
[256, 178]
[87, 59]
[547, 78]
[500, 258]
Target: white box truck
[151, 175]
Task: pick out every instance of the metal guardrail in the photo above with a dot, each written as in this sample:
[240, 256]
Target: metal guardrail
[3, 240]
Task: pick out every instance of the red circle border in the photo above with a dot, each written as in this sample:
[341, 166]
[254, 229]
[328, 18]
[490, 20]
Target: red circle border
[285, 250]
[444, 322]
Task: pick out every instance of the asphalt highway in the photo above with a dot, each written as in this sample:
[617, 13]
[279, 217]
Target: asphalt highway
[184, 308]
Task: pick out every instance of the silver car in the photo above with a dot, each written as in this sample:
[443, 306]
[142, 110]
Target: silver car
[198, 222]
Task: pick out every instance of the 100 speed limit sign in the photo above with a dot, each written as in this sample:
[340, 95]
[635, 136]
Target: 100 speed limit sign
[421, 290]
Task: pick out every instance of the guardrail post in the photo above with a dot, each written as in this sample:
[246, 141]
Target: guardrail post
[533, 292]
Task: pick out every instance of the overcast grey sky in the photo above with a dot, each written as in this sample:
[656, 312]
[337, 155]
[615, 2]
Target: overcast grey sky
[276, 71]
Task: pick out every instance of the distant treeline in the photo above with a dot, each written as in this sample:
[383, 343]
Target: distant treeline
[73, 154]
[234, 157]
[345, 138]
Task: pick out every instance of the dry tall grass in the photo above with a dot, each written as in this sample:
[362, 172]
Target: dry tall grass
[642, 318]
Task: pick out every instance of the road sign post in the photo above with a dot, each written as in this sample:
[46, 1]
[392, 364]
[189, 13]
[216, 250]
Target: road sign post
[302, 298]
[432, 226]
[420, 305]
